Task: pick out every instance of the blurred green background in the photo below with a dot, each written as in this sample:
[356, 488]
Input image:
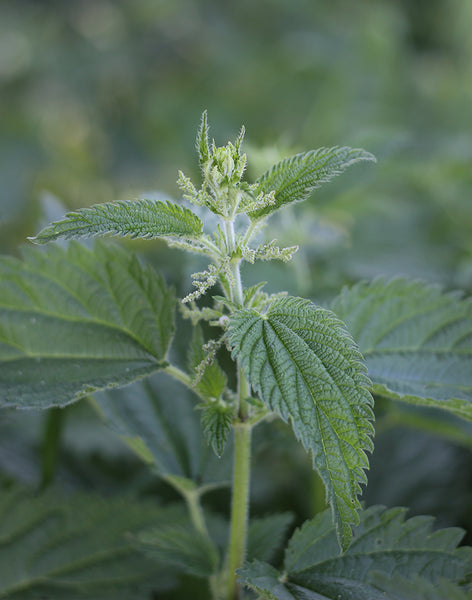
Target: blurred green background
[101, 100]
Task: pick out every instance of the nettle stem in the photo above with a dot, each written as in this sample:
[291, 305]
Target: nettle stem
[239, 505]
[242, 442]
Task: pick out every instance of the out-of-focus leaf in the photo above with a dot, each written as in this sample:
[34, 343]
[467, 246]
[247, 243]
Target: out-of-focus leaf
[158, 419]
[416, 340]
[74, 321]
[383, 543]
[77, 547]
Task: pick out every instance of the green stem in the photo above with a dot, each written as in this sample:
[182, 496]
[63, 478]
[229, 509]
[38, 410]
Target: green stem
[242, 442]
[239, 506]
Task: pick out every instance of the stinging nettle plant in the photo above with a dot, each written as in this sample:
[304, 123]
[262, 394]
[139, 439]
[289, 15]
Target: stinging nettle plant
[77, 321]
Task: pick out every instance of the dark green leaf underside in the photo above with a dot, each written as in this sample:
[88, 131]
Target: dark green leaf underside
[294, 178]
[133, 218]
[77, 547]
[417, 341]
[383, 543]
[182, 547]
[157, 417]
[306, 368]
[74, 321]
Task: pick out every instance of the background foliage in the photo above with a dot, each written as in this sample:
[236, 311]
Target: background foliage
[99, 102]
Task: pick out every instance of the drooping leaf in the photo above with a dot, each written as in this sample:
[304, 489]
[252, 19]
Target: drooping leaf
[157, 418]
[416, 340]
[293, 179]
[77, 547]
[216, 423]
[210, 378]
[383, 543]
[307, 369]
[266, 534]
[74, 321]
[180, 546]
[132, 218]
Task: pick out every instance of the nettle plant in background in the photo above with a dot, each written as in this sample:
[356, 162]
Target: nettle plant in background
[78, 321]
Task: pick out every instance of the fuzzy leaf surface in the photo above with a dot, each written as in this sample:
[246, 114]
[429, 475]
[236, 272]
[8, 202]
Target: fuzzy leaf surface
[74, 321]
[307, 369]
[383, 543]
[416, 340]
[157, 418]
[128, 218]
[293, 179]
[77, 547]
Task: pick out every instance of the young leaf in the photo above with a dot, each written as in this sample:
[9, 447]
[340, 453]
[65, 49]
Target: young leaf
[294, 178]
[384, 543]
[416, 340]
[180, 546]
[75, 321]
[157, 418]
[202, 145]
[210, 378]
[216, 422]
[78, 547]
[307, 369]
[136, 219]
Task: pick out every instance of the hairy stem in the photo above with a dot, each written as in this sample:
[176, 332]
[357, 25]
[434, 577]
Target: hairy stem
[239, 505]
[242, 443]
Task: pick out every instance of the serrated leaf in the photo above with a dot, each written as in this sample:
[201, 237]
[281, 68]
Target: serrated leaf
[77, 547]
[180, 546]
[74, 321]
[157, 417]
[383, 543]
[211, 380]
[293, 179]
[307, 369]
[216, 423]
[416, 340]
[128, 218]
[266, 534]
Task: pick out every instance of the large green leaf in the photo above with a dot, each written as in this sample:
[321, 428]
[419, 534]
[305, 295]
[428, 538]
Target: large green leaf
[384, 543]
[416, 340]
[74, 321]
[136, 219]
[293, 179]
[307, 369]
[157, 418]
[77, 547]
